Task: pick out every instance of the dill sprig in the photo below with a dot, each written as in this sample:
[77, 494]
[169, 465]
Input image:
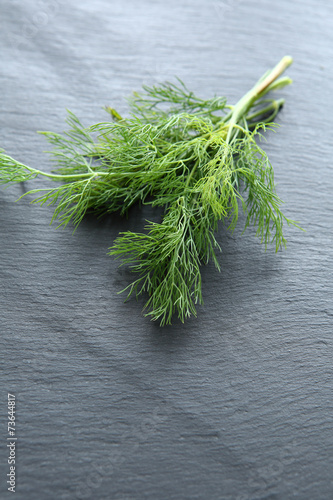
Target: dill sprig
[198, 159]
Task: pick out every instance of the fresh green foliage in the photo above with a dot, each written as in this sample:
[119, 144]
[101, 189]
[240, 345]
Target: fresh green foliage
[198, 159]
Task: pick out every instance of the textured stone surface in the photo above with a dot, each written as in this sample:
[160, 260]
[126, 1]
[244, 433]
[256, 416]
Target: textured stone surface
[234, 405]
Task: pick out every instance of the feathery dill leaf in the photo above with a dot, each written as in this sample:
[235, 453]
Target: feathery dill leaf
[198, 159]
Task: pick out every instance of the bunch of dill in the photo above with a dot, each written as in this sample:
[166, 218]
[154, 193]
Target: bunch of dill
[198, 159]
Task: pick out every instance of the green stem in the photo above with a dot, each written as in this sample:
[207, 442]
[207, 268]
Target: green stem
[191, 174]
[275, 104]
[259, 89]
[64, 177]
[263, 115]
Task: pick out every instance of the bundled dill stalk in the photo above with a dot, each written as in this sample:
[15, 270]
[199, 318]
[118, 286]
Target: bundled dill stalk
[198, 159]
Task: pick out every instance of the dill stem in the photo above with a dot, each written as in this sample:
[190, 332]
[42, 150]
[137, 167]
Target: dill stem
[274, 74]
[275, 105]
[189, 177]
[63, 177]
[247, 101]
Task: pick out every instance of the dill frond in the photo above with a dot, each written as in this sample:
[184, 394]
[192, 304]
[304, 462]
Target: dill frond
[198, 159]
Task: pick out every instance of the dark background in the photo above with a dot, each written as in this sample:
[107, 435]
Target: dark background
[234, 405]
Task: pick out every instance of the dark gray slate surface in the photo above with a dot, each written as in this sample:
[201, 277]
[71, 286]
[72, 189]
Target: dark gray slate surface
[236, 404]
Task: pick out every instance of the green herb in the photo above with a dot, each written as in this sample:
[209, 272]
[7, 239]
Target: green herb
[198, 159]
